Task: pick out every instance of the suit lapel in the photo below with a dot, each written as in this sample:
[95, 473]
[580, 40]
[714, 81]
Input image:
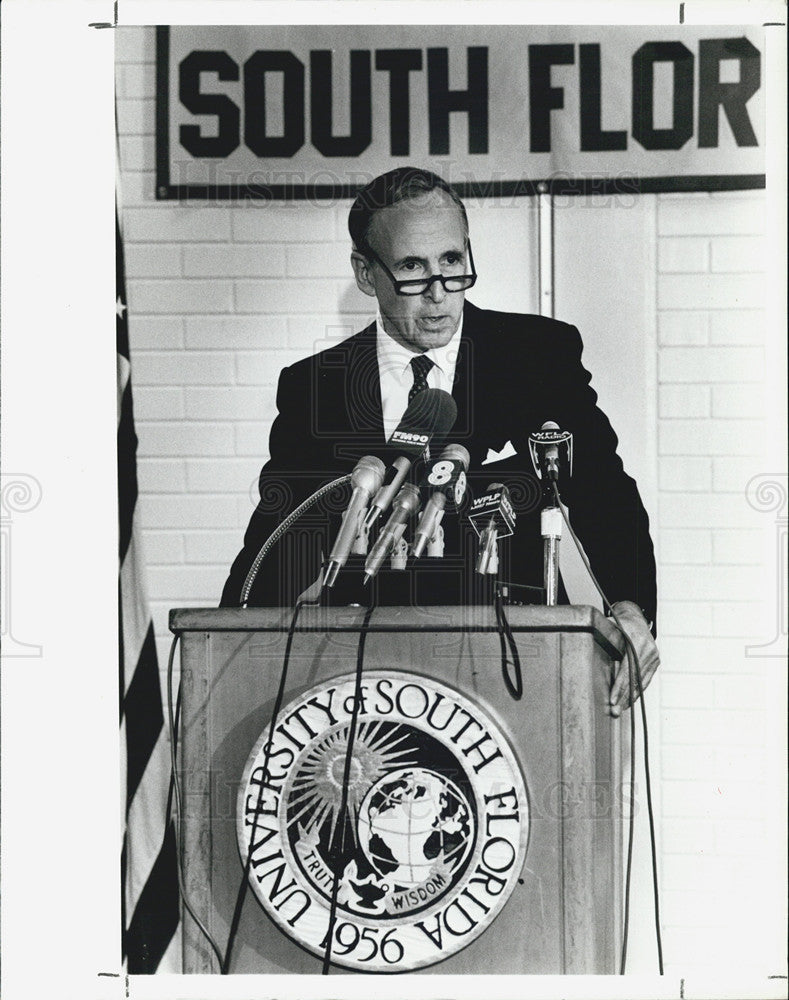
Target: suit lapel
[351, 397]
[364, 386]
[462, 390]
[475, 386]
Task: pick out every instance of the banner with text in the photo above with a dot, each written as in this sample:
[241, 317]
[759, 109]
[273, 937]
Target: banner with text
[317, 111]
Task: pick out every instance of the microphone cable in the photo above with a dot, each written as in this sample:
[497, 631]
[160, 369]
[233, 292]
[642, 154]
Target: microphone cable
[339, 829]
[280, 530]
[634, 673]
[224, 963]
[506, 638]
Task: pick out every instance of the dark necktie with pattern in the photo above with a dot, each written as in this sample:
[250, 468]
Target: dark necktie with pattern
[421, 365]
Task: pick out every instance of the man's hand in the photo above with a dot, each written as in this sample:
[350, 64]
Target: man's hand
[637, 629]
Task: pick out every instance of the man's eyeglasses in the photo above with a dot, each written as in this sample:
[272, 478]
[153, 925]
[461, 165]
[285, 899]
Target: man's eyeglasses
[418, 286]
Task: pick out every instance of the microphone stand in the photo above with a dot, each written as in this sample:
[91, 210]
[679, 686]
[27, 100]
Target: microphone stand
[544, 447]
[551, 530]
[551, 527]
[435, 547]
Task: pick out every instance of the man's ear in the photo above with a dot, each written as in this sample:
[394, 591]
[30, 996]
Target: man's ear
[361, 270]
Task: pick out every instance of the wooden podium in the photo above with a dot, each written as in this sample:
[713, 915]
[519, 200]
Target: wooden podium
[563, 912]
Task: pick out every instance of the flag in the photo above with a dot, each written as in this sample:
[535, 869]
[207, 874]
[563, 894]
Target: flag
[149, 890]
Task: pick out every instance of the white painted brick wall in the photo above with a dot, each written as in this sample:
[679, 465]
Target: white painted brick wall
[685, 474]
[223, 296]
[738, 327]
[715, 700]
[710, 364]
[682, 328]
[686, 547]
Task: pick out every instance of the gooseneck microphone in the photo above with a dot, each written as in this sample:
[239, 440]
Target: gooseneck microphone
[446, 482]
[492, 517]
[366, 478]
[406, 503]
[429, 416]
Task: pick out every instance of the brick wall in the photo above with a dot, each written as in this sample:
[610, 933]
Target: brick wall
[717, 727]
[221, 297]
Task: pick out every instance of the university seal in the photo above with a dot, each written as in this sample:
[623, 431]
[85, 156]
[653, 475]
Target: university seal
[435, 831]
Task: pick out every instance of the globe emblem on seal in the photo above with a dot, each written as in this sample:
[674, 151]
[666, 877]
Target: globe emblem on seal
[408, 829]
[411, 821]
[386, 833]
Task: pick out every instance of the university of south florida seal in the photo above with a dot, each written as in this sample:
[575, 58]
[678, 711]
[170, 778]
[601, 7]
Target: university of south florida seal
[435, 831]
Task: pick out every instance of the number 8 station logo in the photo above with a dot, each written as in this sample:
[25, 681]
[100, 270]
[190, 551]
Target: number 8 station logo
[434, 834]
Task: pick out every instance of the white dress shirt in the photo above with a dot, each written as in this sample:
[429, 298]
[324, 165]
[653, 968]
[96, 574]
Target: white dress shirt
[397, 375]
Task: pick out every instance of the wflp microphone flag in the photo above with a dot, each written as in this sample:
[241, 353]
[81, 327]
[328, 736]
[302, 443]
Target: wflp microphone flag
[429, 417]
[546, 447]
[445, 482]
[366, 478]
[492, 517]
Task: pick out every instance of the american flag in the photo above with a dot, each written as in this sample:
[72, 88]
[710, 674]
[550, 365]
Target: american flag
[148, 856]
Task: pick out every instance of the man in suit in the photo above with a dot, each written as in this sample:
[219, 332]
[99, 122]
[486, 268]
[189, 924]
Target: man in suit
[508, 374]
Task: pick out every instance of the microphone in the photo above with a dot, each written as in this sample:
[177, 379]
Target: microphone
[545, 447]
[488, 558]
[447, 478]
[551, 453]
[366, 478]
[430, 414]
[492, 517]
[406, 503]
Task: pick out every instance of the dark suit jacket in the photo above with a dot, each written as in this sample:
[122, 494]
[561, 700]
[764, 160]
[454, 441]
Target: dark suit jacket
[513, 373]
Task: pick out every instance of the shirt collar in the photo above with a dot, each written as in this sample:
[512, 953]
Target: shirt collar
[396, 358]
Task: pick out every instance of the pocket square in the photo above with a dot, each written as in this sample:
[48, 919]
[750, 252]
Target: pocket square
[497, 456]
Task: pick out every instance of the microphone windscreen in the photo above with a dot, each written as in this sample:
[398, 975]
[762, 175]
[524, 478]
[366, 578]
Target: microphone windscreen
[429, 416]
[368, 473]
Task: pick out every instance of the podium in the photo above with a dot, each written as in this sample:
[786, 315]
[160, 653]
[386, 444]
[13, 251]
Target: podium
[486, 830]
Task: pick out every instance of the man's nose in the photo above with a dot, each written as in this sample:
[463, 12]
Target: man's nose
[436, 292]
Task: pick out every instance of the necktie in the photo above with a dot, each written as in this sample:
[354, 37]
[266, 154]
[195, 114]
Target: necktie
[421, 365]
